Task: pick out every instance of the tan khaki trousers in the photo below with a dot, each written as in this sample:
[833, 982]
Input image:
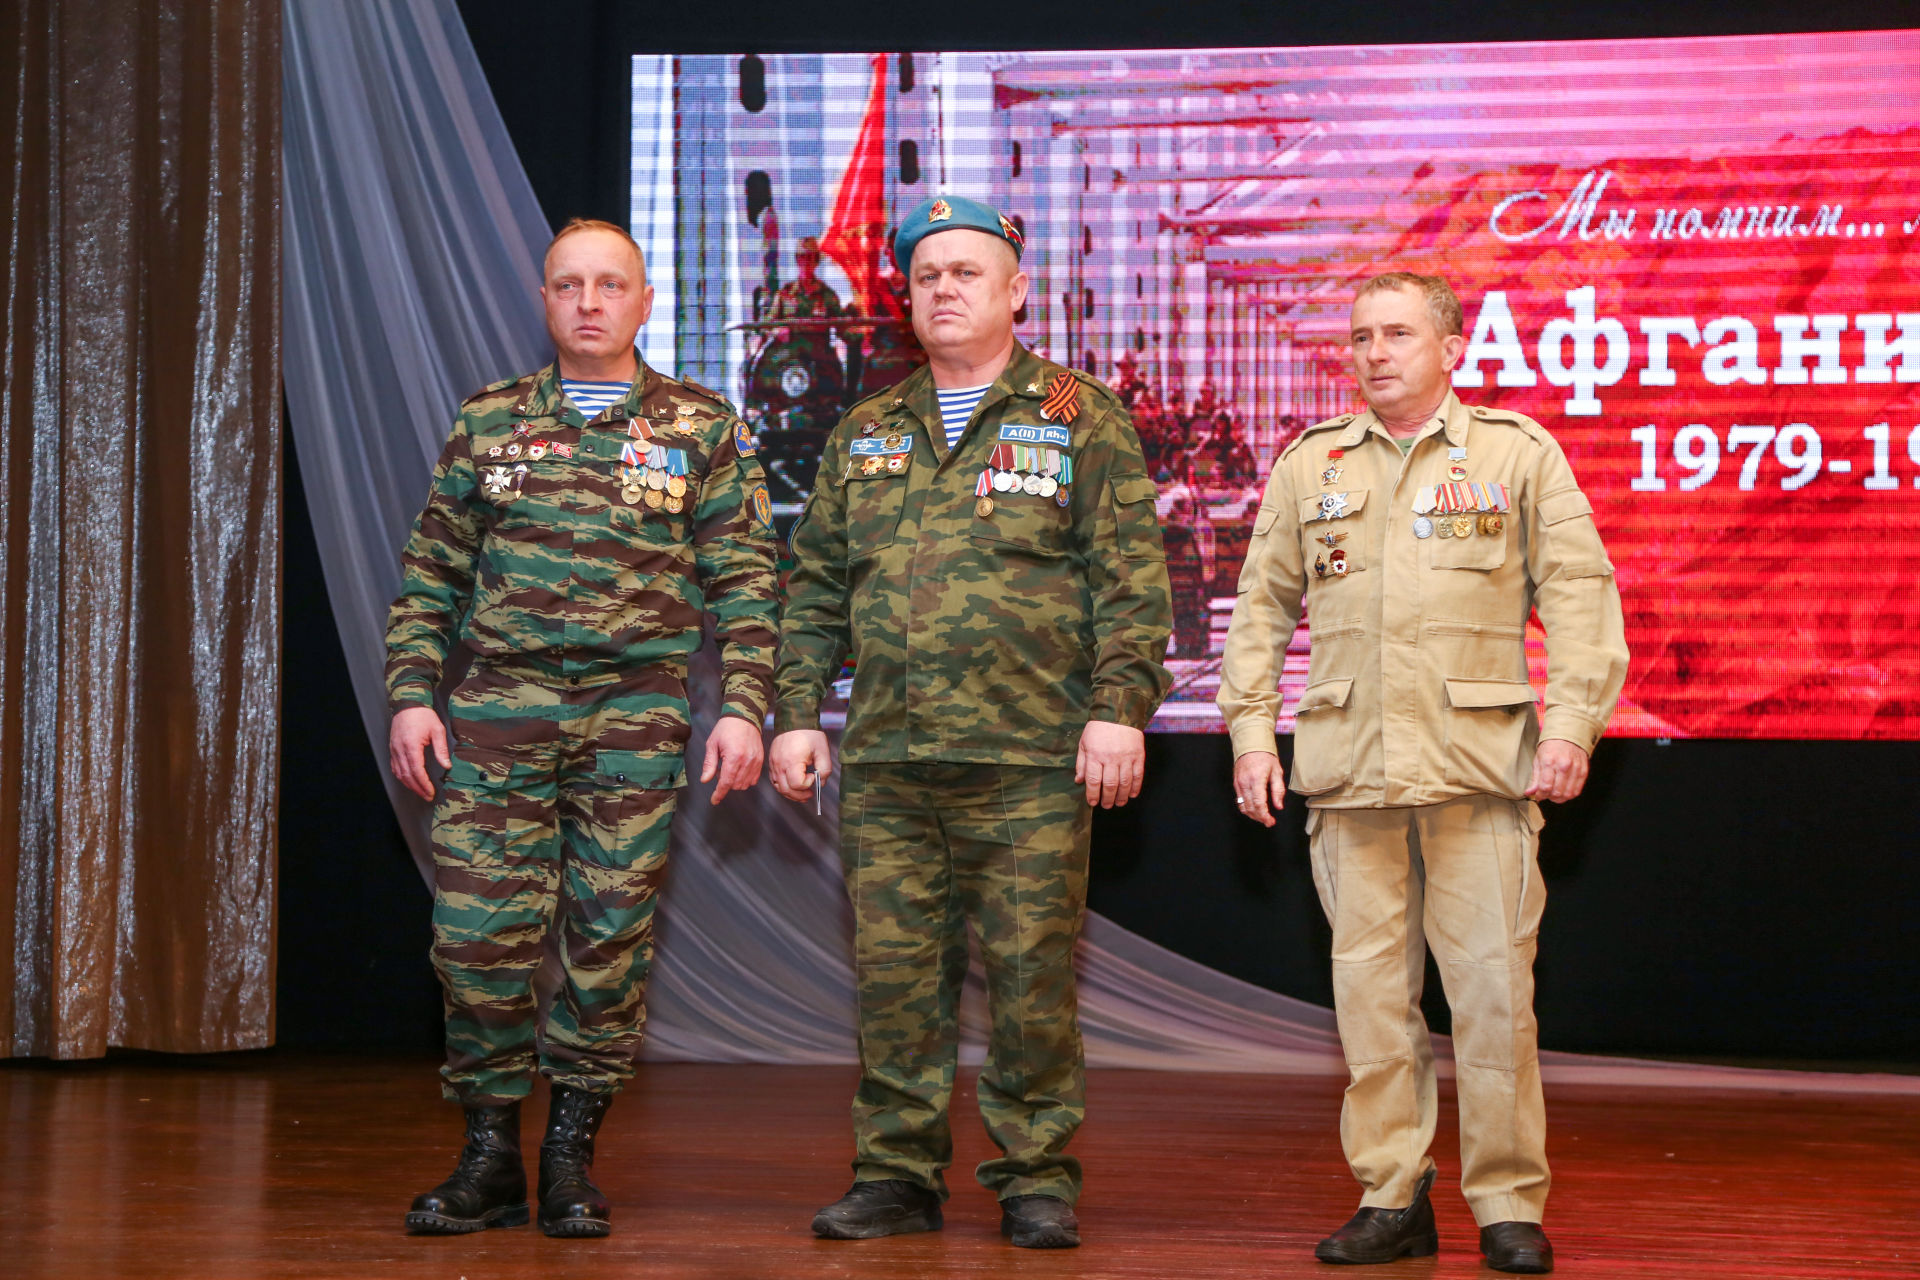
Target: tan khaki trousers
[1461, 877]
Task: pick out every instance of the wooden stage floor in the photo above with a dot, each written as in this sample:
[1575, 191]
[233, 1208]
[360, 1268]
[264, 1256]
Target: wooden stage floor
[281, 1166]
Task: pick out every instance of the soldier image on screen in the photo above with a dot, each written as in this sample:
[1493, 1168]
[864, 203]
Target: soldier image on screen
[982, 541]
[796, 383]
[582, 524]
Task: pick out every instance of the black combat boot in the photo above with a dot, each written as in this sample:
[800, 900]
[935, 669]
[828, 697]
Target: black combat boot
[879, 1207]
[489, 1185]
[1517, 1246]
[570, 1205]
[1381, 1235]
[1039, 1222]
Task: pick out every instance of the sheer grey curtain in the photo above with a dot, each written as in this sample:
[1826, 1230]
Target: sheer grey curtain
[412, 251]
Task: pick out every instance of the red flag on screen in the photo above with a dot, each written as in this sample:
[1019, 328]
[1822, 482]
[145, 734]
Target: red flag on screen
[859, 211]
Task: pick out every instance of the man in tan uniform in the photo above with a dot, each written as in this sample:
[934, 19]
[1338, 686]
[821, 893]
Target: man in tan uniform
[1421, 534]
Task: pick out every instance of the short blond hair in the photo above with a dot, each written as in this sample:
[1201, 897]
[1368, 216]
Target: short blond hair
[1443, 305]
[576, 225]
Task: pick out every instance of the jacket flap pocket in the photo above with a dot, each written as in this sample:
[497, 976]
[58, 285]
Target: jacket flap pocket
[643, 770]
[1328, 693]
[1480, 694]
[1128, 489]
[480, 767]
[1334, 505]
[1263, 521]
[1564, 505]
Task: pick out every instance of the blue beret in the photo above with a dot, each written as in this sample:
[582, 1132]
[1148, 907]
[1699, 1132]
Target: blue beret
[951, 213]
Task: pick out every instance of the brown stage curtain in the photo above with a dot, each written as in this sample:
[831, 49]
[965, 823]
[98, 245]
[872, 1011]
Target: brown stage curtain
[140, 517]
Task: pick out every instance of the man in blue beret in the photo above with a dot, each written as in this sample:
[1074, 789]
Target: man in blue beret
[981, 540]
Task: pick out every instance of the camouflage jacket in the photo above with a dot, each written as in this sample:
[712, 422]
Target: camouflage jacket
[979, 636]
[534, 551]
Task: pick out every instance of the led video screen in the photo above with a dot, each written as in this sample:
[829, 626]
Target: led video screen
[1694, 261]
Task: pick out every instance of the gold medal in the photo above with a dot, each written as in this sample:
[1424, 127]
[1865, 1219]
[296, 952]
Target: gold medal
[1443, 527]
[983, 508]
[894, 441]
[655, 498]
[656, 480]
[1463, 526]
[1491, 525]
[631, 494]
[676, 486]
[673, 503]
[871, 465]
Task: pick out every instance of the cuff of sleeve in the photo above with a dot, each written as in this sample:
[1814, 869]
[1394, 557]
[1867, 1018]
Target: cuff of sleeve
[795, 713]
[409, 693]
[747, 697]
[1254, 734]
[1116, 705]
[1567, 725]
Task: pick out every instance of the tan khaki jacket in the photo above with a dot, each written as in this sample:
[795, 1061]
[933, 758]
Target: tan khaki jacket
[1417, 682]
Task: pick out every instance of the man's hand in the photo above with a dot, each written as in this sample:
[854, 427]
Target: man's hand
[1559, 771]
[793, 751]
[734, 753]
[1112, 762]
[1259, 781]
[412, 729]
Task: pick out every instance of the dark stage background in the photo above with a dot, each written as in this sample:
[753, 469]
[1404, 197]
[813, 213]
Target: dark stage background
[1741, 900]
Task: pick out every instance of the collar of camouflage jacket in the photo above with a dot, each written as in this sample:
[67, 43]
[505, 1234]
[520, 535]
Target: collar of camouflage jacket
[541, 396]
[1025, 378]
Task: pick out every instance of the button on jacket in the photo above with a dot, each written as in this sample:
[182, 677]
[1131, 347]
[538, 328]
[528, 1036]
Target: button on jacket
[541, 563]
[1417, 686]
[977, 638]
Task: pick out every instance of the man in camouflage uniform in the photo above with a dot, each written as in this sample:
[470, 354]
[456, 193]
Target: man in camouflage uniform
[806, 297]
[570, 553]
[999, 579]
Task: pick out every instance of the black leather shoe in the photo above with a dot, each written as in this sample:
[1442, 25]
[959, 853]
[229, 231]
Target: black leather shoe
[570, 1205]
[489, 1185]
[1381, 1235]
[882, 1207]
[1517, 1246]
[1039, 1222]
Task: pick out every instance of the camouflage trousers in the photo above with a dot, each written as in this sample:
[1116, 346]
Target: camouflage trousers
[554, 814]
[927, 848]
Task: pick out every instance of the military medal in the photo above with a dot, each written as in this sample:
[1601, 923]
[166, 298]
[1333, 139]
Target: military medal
[1463, 526]
[1319, 566]
[1332, 539]
[870, 465]
[632, 494]
[495, 452]
[1422, 527]
[673, 503]
[1031, 486]
[513, 450]
[653, 497]
[1333, 506]
[1456, 473]
[893, 440]
[497, 479]
[519, 476]
[984, 506]
[1337, 562]
[522, 429]
[1491, 525]
[563, 451]
[537, 450]
[867, 428]
[1443, 526]
[897, 463]
[676, 486]
[1331, 475]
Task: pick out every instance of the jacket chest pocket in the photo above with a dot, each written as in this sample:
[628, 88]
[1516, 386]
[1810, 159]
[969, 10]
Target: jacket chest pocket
[1026, 522]
[1333, 533]
[874, 504]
